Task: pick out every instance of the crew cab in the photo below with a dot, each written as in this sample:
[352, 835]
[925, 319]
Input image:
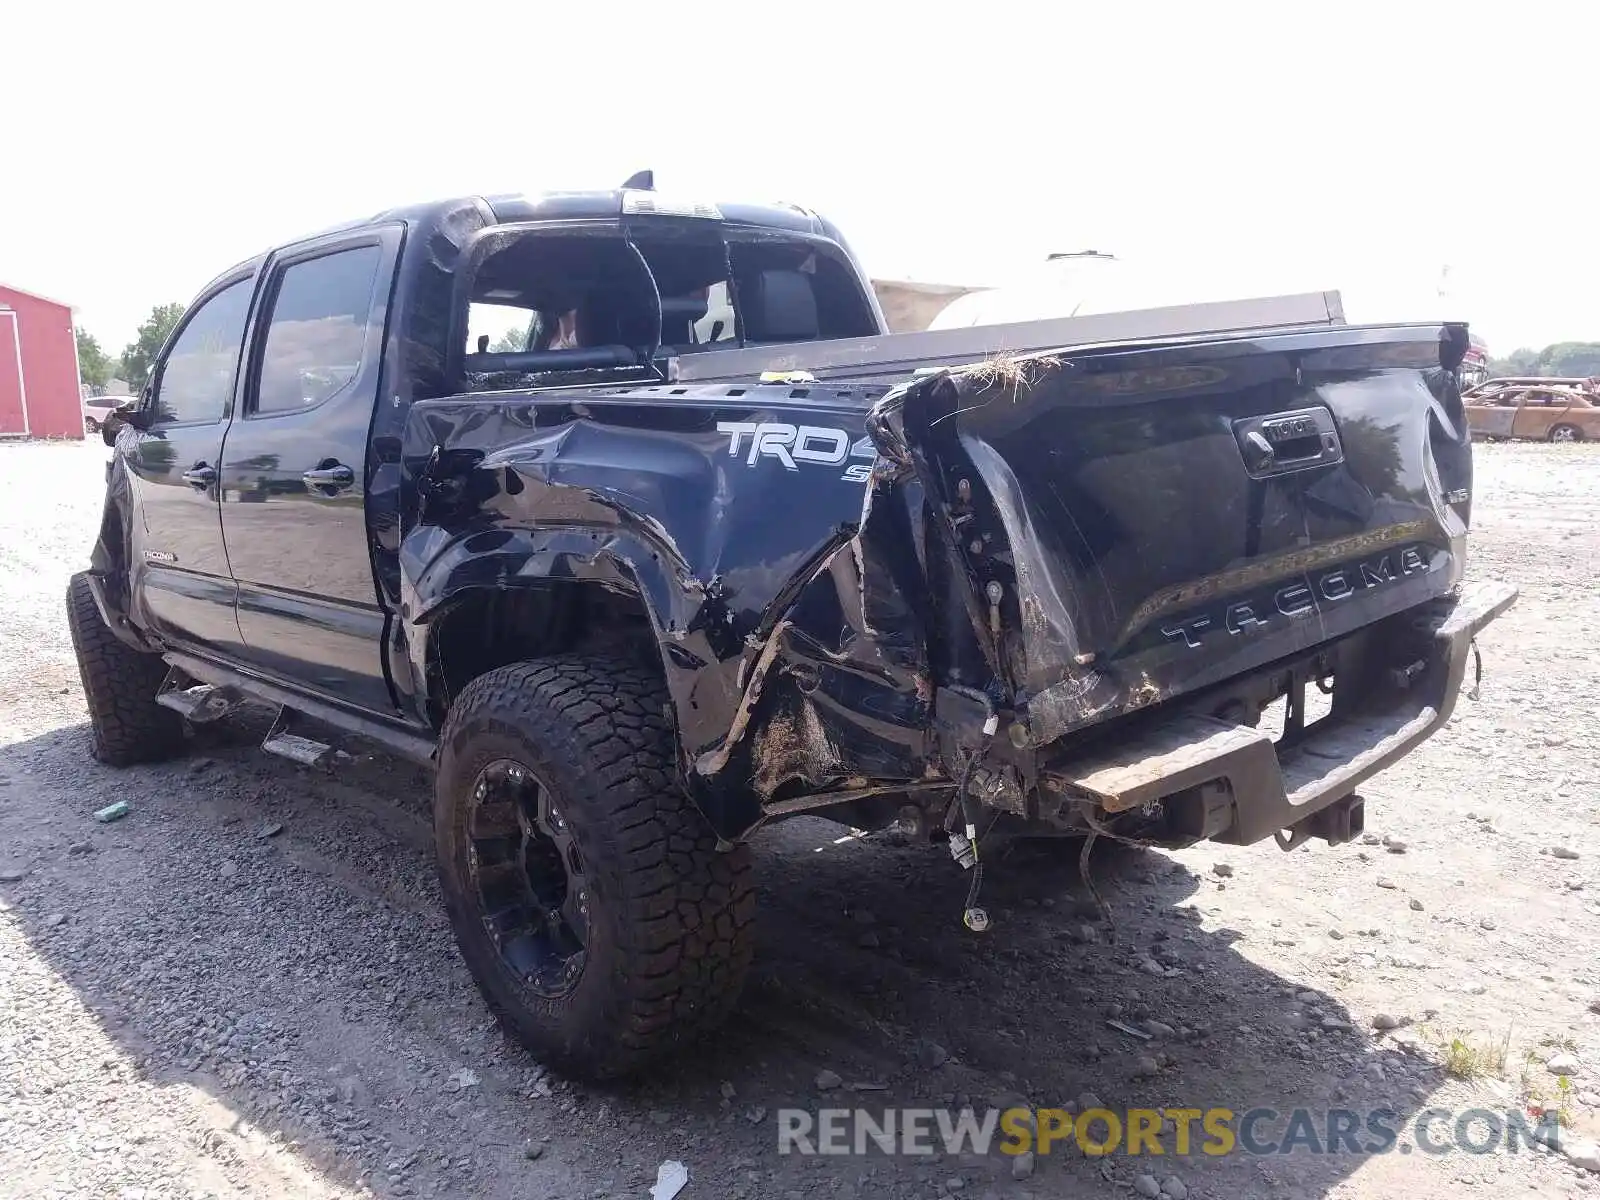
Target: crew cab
[628, 517]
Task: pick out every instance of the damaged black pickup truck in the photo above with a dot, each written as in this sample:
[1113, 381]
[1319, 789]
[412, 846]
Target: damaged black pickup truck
[629, 517]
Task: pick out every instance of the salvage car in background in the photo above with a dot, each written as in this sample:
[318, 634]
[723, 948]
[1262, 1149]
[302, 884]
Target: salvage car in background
[97, 408]
[1549, 410]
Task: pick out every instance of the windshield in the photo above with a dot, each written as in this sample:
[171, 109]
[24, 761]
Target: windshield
[603, 300]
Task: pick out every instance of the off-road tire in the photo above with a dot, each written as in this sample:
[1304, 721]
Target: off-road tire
[1574, 434]
[671, 919]
[126, 725]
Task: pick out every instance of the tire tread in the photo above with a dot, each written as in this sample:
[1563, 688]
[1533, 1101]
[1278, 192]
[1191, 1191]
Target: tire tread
[686, 920]
[126, 725]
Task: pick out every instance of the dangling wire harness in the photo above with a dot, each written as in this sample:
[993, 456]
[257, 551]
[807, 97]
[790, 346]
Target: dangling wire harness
[964, 849]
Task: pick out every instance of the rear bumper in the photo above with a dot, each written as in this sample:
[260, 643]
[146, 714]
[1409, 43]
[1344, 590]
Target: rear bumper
[1257, 789]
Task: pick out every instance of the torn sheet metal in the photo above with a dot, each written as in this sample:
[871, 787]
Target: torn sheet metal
[787, 608]
[1059, 539]
[1108, 498]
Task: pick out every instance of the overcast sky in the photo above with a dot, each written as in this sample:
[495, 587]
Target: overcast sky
[1254, 148]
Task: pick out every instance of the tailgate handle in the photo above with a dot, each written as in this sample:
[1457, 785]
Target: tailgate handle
[1288, 441]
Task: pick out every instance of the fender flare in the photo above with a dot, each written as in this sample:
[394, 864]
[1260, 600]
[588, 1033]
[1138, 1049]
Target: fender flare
[440, 569]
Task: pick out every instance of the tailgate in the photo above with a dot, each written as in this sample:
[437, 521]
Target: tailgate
[1132, 523]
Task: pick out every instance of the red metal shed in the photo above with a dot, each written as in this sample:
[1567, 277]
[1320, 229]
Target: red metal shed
[39, 394]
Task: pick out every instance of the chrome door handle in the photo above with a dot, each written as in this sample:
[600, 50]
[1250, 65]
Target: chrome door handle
[329, 479]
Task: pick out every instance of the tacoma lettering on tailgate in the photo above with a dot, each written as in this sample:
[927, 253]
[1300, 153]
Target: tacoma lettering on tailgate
[1329, 587]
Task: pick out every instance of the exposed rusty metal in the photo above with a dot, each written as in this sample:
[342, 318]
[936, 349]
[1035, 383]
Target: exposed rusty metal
[1545, 410]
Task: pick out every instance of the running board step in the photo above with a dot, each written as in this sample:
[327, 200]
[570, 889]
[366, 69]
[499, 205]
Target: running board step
[298, 749]
[200, 703]
[306, 751]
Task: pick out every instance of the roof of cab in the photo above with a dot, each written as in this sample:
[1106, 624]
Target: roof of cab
[550, 206]
[596, 205]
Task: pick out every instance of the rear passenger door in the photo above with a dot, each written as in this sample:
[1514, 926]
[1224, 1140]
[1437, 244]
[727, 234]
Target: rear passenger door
[294, 470]
[1539, 411]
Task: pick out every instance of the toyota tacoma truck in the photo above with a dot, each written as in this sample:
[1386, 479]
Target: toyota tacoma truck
[629, 518]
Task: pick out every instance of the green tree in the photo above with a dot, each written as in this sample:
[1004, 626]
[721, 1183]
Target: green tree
[141, 353]
[1522, 361]
[94, 364]
[1570, 358]
[1560, 358]
[512, 341]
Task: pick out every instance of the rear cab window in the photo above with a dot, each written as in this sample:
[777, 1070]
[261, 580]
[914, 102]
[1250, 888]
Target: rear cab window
[620, 301]
[317, 334]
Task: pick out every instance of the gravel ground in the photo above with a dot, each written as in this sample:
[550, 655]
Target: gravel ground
[196, 1002]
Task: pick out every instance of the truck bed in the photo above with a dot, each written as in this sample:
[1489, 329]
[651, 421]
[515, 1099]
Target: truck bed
[1066, 538]
[901, 353]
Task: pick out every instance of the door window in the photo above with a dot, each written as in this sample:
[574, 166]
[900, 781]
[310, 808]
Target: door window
[196, 380]
[318, 333]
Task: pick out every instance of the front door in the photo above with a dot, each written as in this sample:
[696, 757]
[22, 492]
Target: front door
[294, 471]
[178, 570]
[1539, 411]
[1493, 419]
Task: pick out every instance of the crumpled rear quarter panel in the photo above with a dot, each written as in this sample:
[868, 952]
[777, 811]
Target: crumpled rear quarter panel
[791, 647]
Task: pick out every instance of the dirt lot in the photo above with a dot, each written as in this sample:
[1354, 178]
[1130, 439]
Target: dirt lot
[192, 1004]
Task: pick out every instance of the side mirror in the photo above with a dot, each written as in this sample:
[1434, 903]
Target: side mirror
[130, 412]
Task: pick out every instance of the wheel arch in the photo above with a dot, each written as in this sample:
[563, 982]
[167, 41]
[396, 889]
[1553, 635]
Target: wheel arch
[110, 576]
[495, 597]
[1577, 432]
